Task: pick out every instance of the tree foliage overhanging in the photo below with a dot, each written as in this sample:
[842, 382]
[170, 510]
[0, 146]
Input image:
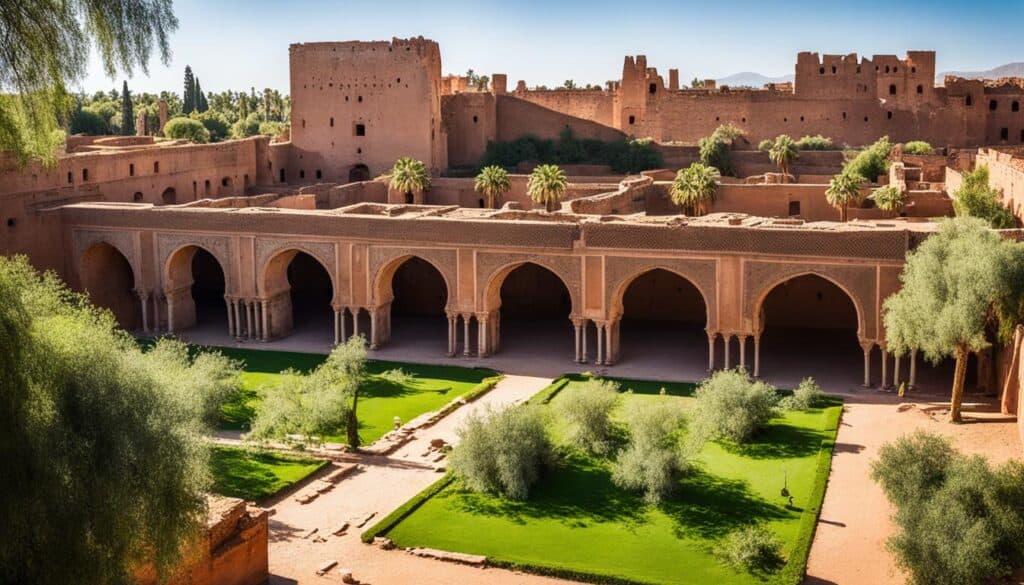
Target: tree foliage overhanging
[623, 156]
[105, 466]
[975, 198]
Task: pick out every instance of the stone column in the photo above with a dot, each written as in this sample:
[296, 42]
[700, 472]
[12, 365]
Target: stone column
[611, 342]
[355, 320]
[712, 336]
[583, 335]
[248, 320]
[913, 370]
[743, 351]
[728, 339]
[453, 334]
[465, 335]
[238, 318]
[341, 324]
[170, 314]
[374, 328]
[265, 328]
[483, 328]
[885, 368]
[257, 320]
[577, 335]
[231, 317]
[867, 346]
[757, 356]
[337, 327]
[144, 304]
[600, 344]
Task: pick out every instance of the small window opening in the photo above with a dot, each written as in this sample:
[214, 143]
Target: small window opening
[1014, 106]
[332, 122]
[794, 208]
[360, 130]
[652, 88]
[359, 151]
[969, 101]
[632, 119]
[888, 115]
[844, 115]
[913, 69]
[224, 182]
[920, 88]
[360, 99]
[480, 202]
[821, 71]
[474, 119]
[319, 174]
[131, 169]
[137, 196]
[11, 222]
[85, 174]
[70, 179]
[156, 166]
[282, 175]
[993, 105]
[892, 89]
[865, 118]
[1004, 133]
[408, 198]
[302, 174]
[833, 70]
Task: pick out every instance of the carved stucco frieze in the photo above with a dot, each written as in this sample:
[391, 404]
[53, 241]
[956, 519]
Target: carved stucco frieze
[219, 246]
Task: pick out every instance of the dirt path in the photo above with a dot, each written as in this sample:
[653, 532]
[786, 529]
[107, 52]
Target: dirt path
[849, 545]
[382, 485]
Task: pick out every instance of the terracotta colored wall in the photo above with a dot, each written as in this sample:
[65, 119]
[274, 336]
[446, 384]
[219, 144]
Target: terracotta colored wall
[391, 88]
[1006, 174]
[470, 120]
[519, 117]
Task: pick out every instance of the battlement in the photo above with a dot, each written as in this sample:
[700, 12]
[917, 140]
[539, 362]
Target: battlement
[419, 45]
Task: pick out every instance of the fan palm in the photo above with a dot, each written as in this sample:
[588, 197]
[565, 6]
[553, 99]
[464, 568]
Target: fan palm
[547, 185]
[695, 187]
[782, 152]
[492, 182]
[843, 190]
[409, 176]
[888, 198]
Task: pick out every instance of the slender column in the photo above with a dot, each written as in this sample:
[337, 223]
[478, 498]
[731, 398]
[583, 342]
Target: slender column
[885, 368]
[583, 355]
[867, 363]
[341, 324]
[337, 327]
[610, 355]
[231, 317]
[235, 318]
[481, 330]
[577, 330]
[355, 321]
[757, 356]
[453, 334]
[143, 298]
[728, 339]
[248, 319]
[743, 351]
[257, 320]
[600, 344]
[896, 371]
[265, 329]
[465, 336]
[913, 370]
[170, 314]
[711, 351]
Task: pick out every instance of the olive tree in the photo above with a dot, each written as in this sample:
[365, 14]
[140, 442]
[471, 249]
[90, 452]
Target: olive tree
[729, 405]
[587, 408]
[961, 288]
[654, 458]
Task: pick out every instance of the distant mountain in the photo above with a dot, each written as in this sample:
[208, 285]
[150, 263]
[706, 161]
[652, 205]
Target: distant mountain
[1008, 70]
[751, 79]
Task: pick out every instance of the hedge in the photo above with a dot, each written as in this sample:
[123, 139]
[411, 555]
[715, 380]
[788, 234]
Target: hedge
[402, 512]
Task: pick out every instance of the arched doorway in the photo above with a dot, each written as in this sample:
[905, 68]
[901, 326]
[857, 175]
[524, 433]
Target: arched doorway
[195, 287]
[419, 296]
[169, 197]
[810, 328]
[359, 172]
[663, 324]
[533, 310]
[109, 280]
[299, 293]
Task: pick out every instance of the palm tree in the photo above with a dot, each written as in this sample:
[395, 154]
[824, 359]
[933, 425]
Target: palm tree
[888, 198]
[843, 189]
[695, 187]
[782, 152]
[492, 182]
[409, 176]
[547, 185]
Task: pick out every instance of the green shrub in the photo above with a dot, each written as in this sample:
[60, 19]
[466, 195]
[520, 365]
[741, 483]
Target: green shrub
[653, 460]
[716, 149]
[624, 156]
[729, 405]
[765, 145]
[502, 452]
[888, 198]
[250, 126]
[959, 521]
[871, 161]
[918, 147]
[752, 549]
[272, 128]
[215, 123]
[587, 407]
[186, 129]
[211, 380]
[806, 395]
[975, 198]
[817, 142]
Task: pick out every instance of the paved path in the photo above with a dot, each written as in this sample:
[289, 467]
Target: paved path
[849, 545]
[382, 485]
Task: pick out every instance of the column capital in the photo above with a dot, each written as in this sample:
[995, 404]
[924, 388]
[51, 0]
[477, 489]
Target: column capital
[866, 344]
[578, 321]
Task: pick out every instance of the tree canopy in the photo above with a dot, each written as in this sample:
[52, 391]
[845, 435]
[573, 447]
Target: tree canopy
[104, 461]
[695, 187]
[547, 185]
[492, 182]
[45, 48]
[962, 288]
[975, 198]
[409, 175]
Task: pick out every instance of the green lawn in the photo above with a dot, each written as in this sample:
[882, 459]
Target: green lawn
[577, 521]
[255, 475]
[380, 400]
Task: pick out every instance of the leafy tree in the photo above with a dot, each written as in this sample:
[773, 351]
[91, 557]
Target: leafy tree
[765, 145]
[918, 147]
[246, 126]
[961, 287]
[127, 112]
[623, 156]
[272, 128]
[729, 405]
[480, 82]
[975, 198]
[587, 408]
[654, 458]
[547, 185]
[188, 96]
[104, 456]
[200, 99]
[869, 162]
[817, 142]
[569, 84]
[45, 48]
[319, 403]
[696, 83]
[215, 123]
[408, 176]
[502, 452]
[844, 190]
[187, 129]
[492, 182]
[715, 149]
[959, 520]
[888, 198]
[695, 187]
[753, 549]
[806, 395]
[88, 121]
[782, 152]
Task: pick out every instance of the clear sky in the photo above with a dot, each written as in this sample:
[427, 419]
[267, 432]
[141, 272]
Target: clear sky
[235, 44]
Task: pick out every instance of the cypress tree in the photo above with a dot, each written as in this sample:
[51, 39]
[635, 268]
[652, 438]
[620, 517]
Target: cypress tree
[127, 112]
[188, 99]
[201, 104]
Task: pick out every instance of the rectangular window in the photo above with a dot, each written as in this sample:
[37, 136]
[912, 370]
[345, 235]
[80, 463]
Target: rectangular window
[632, 119]
[1004, 134]
[131, 170]
[360, 129]
[794, 208]
[156, 167]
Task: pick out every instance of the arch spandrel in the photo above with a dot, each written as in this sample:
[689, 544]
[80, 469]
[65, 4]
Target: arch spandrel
[274, 255]
[124, 242]
[620, 272]
[858, 282]
[384, 262]
[493, 268]
[169, 246]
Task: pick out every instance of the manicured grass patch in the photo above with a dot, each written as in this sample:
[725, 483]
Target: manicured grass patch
[255, 475]
[578, 524]
[380, 400]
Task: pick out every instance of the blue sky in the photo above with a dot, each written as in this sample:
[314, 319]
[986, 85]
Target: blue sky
[240, 43]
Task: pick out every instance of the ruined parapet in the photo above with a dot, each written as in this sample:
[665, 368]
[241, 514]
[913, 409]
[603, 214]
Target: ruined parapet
[710, 84]
[162, 105]
[673, 79]
[521, 86]
[140, 123]
[499, 84]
